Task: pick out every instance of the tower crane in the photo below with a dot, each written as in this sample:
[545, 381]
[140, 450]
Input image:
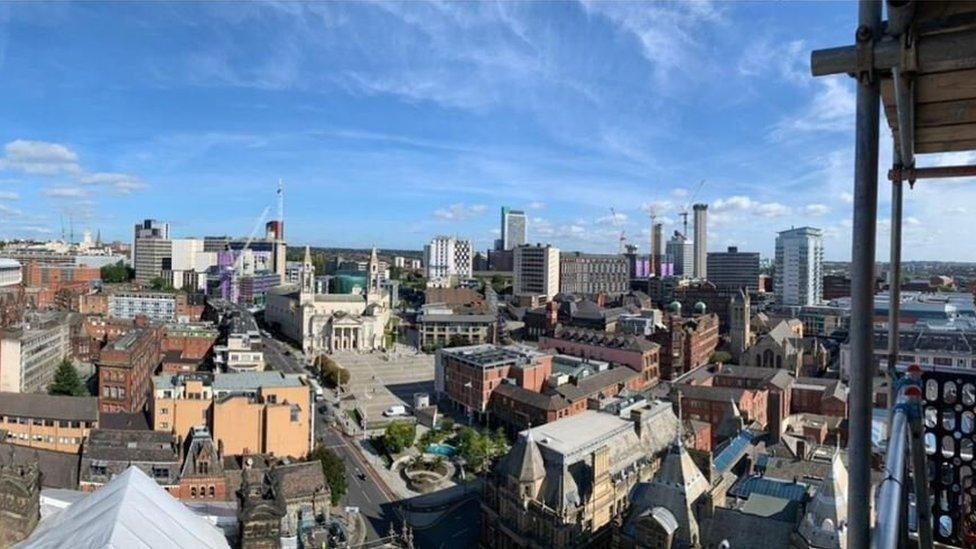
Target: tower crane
[684, 212]
[623, 234]
[250, 238]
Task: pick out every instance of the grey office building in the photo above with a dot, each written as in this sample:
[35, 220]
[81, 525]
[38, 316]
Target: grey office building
[152, 250]
[513, 228]
[588, 274]
[733, 269]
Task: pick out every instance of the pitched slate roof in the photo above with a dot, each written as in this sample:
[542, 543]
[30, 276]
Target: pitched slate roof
[49, 406]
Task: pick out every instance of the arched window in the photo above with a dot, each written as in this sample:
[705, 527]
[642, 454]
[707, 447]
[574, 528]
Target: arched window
[193, 492]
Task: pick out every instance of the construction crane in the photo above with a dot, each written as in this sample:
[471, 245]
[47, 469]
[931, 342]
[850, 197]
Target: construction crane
[684, 212]
[623, 234]
[250, 238]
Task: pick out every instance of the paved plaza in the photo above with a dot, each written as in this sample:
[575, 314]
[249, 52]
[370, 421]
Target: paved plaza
[378, 383]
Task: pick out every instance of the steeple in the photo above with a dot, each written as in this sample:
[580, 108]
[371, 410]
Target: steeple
[307, 276]
[374, 273]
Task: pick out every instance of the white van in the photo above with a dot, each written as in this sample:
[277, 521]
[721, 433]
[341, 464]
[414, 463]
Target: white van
[393, 411]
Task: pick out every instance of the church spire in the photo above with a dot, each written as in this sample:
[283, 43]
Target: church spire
[308, 256]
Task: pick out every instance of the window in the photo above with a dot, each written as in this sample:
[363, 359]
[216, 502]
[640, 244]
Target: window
[295, 410]
[98, 470]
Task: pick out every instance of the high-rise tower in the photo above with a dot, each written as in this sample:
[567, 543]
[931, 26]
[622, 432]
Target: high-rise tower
[701, 241]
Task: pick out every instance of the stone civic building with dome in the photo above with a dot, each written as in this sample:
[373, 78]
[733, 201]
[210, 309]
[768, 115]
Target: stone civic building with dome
[325, 323]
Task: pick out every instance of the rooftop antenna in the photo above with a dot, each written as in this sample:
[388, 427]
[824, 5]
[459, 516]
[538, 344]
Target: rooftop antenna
[71, 227]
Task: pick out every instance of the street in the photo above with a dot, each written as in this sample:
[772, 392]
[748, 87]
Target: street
[276, 358]
[459, 528]
[368, 495]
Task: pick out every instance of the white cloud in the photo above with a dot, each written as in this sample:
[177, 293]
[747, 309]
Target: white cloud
[39, 158]
[65, 192]
[615, 219]
[786, 61]
[54, 159]
[9, 195]
[9, 210]
[459, 212]
[816, 210]
[537, 205]
[830, 110]
[846, 197]
[121, 182]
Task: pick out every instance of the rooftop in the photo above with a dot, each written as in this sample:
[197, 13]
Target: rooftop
[138, 446]
[492, 356]
[572, 434]
[49, 406]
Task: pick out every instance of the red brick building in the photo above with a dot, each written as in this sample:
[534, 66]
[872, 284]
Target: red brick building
[186, 347]
[469, 375]
[687, 343]
[58, 285]
[202, 476]
[823, 396]
[125, 368]
[633, 351]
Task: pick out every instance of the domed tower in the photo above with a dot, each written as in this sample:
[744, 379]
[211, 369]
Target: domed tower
[675, 308]
[700, 308]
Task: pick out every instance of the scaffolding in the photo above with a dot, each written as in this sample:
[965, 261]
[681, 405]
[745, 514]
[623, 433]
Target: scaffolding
[921, 63]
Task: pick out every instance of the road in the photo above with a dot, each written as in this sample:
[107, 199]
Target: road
[369, 494]
[276, 357]
[460, 528]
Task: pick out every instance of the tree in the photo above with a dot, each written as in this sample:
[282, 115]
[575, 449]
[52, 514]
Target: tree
[332, 374]
[399, 435]
[474, 448]
[117, 273]
[721, 356]
[333, 469]
[458, 340]
[159, 283]
[66, 381]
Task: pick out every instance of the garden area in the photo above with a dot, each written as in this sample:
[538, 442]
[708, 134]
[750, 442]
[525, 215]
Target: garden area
[427, 460]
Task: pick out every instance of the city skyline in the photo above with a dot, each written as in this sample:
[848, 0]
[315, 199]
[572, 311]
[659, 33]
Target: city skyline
[391, 124]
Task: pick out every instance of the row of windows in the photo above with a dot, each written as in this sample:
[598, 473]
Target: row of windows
[15, 420]
[43, 438]
[203, 492]
[113, 392]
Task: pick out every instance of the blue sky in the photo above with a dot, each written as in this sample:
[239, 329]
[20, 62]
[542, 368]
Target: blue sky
[393, 122]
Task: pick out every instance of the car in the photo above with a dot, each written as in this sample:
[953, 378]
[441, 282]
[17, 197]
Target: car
[360, 474]
[397, 410]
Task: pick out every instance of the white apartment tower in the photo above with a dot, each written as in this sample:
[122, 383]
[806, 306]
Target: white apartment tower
[681, 252]
[446, 257]
[798, 279]
[700, 265]
[536, 270]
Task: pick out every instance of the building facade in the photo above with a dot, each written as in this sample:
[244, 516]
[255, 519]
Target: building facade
[468, 375]
[700, 265]
[159, 306]
[591, 274]
[107, 453]
[514, 224]
[564, 484]
[735, 270]
[324, 323]
[124, 370]
[798, 276]
[681, 255]
[634, 352]
[447, 257]
[536, 271]
[152, 250]
[247, 413]
[686, 343]
[47, 422]
[20, 508]
[30, 353]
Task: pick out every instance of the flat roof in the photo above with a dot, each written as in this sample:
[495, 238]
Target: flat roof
[49, 406]
[253, 380]
[570, 435]
[492, 356]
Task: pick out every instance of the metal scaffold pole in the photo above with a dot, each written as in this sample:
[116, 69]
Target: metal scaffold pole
[862, 275]
[894, 279]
